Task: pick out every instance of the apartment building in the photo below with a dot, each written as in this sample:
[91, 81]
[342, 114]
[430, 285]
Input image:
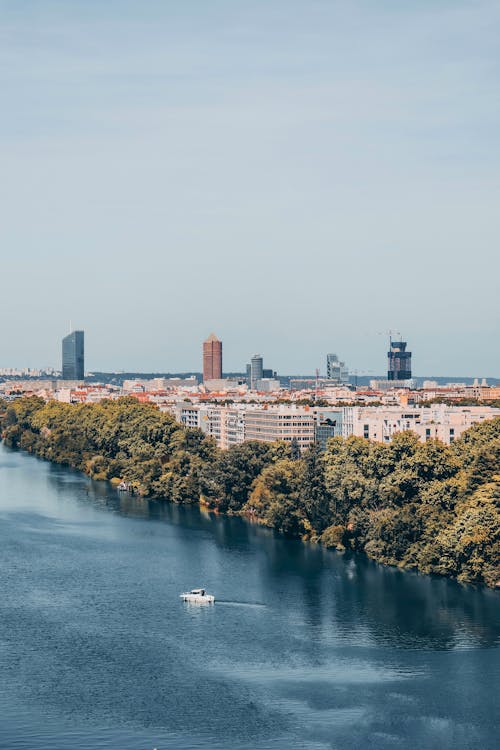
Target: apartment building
[446, 423]
[280, 423]
[235, 423]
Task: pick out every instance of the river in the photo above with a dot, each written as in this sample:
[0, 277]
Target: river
[304, 648]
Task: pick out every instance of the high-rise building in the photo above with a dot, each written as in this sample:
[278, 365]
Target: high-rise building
[212, 358]
[266, 373]
[73, 367]
[399, 361]
[336, 370]
[256, 369]
[269, 373]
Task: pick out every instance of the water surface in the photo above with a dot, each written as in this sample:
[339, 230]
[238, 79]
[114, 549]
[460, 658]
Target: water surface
[305, 648]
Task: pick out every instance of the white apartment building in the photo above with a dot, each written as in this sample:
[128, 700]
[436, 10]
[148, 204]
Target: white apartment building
[225, 424]
[186, 413]
[235, 423]
[446, 423]
[284, 423]
[231, 425]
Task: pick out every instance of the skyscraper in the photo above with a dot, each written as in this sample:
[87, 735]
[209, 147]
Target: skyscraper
[336, 370]
[399, 361]
[256, 369]
[73, 367]
[212, 358]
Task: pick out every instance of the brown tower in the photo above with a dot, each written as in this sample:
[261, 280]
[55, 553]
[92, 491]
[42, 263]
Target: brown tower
[212, 358]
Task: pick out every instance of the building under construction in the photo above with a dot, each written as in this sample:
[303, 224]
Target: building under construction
[399, 361]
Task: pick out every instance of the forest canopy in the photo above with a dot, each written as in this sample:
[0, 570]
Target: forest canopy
[424, 506]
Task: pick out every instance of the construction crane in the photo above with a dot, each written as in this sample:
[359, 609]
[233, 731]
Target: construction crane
[390, 333]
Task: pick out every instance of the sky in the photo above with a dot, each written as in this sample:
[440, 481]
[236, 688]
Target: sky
[298, 176]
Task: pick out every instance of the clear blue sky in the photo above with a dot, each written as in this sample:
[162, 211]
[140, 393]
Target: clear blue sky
[296, 175]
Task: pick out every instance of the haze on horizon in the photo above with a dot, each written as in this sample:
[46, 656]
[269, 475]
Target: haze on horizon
[298, 177]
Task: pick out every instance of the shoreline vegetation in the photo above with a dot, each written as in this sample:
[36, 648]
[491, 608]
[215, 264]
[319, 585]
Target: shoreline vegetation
[421, 506]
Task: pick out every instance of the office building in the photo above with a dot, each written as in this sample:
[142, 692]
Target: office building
[381, 384]
[336, 370]
[399, 361]
[328, 424]
[73, 356]
[267, 374]
[212, 358]
[267, 385]
[256, 370]
[281, 423]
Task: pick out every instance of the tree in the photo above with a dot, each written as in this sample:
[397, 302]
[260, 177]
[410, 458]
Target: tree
[294, 449]
[312, 490]
[275, 498]
[234, 473]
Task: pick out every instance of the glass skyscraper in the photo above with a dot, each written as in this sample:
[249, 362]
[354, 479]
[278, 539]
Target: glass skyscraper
[256, 369]
[399, 361]
[73, 367]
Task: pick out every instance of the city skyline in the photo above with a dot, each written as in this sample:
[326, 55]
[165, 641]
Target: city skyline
[249, 495]
[298, 181]
[211, 364]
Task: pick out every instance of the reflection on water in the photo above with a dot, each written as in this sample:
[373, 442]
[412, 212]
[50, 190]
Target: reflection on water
[304, 648]
[341, 589]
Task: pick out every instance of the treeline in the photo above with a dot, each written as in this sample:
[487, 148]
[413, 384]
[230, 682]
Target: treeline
[424, 506]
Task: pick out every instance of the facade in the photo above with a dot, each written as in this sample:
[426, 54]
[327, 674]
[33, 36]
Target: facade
[336, 370]
[311, 384]
[190, 415]
[267, 385]
[256, 370]
[439, 421]
[167, 384]
[233, 424]
[212, 358]
[281, 423]
[224, 385]
[328, 424]
[73, 366]
[225, 424]
[399, 361]
[391, 385]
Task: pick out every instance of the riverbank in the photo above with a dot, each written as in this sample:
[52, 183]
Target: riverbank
[426, 507]
[302, 648]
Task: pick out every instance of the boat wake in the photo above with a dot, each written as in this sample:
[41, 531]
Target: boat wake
[230, 603]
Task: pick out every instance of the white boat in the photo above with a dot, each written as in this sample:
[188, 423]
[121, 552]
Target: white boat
[198, 596]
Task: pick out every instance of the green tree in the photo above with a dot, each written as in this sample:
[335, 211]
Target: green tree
[313, 492]
[275, 498]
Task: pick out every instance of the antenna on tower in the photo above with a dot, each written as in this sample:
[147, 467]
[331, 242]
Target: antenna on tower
[390, 332]
[70, 326]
